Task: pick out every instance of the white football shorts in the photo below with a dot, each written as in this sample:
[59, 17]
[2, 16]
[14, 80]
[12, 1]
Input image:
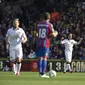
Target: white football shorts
[15, 52]
[68, 56]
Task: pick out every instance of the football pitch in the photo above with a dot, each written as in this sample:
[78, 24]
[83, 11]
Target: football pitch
[32, 78]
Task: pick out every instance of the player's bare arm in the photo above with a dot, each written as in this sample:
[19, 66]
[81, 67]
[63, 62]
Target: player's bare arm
[79, 41]
[54, 34]
[36, 33]
[24, 39]
[62, 38]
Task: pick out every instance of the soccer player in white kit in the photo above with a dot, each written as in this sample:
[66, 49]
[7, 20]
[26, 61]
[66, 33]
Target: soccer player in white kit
[68, 43]
[15, 37]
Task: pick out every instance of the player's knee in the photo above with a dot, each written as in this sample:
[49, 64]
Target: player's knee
[19, 60]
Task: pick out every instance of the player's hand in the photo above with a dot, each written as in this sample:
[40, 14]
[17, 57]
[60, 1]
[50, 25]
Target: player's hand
[23, 40]
[81, 39]
[55, 33]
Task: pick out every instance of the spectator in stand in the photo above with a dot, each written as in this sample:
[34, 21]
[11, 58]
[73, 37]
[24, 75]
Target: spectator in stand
[55, 16]
[32, 54]
[71, 19]
[2, 45]
[54, 53]
[81, 53]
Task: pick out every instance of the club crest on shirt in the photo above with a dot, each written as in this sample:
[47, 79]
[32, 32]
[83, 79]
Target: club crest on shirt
[18, 33]
[71, 42]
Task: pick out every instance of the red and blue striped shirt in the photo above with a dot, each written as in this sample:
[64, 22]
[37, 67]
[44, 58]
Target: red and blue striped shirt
[44, 30]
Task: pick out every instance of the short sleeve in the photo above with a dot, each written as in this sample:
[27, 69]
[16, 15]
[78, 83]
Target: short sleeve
[23, 33]
[51, 29]
[74, 42]
[63, 42]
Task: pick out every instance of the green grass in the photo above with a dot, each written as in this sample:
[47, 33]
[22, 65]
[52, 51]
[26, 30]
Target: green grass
[32, 78]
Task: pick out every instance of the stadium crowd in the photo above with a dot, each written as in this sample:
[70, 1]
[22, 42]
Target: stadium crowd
[67, 16]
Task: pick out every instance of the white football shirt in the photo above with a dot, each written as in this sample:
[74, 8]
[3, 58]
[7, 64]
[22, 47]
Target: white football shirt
[68, 44]
[15, 36]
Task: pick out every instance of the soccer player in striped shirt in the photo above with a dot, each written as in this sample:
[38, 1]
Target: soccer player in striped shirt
[44, 30]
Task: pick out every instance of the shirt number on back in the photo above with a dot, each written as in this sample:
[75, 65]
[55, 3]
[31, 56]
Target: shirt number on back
[42, 33]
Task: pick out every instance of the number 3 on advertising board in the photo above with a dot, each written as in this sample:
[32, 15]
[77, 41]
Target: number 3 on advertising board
[58, 66]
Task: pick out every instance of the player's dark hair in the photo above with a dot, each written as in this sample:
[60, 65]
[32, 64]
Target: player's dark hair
[69, 34]
[46, 15]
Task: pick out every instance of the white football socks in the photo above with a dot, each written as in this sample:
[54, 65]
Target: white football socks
[67, 67]
[15, 68]
[18, 67]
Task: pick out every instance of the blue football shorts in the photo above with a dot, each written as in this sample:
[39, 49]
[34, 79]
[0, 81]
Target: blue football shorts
[42, 52]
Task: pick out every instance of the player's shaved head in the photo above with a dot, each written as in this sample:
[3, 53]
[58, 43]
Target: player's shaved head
[47, 16]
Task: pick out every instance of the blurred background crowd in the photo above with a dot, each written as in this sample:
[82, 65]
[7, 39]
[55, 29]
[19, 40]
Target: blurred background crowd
[66, 16]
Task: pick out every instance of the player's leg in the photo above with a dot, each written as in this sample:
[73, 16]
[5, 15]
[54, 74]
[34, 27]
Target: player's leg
[68, 61]
[67, 67]
[44, 62]
[19, 55]
[44, 65]
[45, 56]
[39, 52]
[13, 60]
[13, 65]
[19, 60]
[40, 59]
